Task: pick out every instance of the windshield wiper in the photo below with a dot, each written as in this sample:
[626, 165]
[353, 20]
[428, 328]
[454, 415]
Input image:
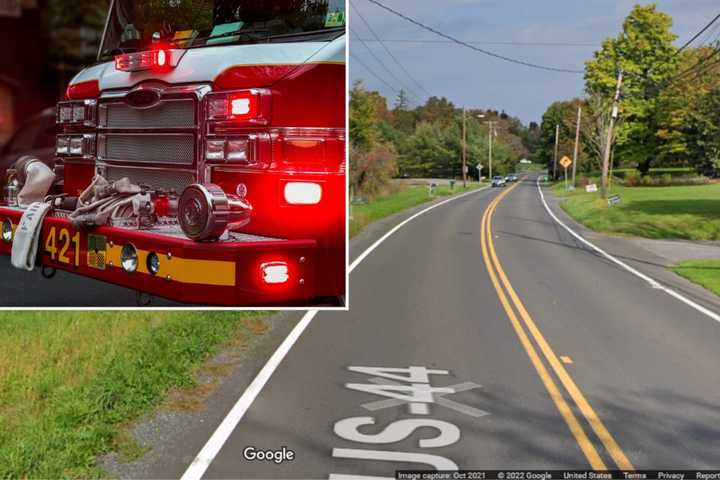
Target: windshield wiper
[310, 33]
[250, 35]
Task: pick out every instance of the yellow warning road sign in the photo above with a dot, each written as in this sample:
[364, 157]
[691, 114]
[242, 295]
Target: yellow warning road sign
[565, 162]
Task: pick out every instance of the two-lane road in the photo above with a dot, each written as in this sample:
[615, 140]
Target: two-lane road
[527, 350]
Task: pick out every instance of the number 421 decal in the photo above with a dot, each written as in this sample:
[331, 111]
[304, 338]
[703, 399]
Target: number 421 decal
[59, 253]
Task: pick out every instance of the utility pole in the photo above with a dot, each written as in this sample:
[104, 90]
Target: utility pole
[464, 165]
[557, 145]
[577, 143]
[608, 143]
[490, 148]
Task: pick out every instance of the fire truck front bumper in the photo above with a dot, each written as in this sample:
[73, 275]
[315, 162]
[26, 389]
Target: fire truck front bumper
[241, 270]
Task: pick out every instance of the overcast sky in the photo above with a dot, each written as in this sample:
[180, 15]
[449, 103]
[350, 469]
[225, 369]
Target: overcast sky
[475, 80]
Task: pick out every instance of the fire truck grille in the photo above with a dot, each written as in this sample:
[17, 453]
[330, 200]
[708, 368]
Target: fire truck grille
[172, 149]
[157, 179]
[167, 114]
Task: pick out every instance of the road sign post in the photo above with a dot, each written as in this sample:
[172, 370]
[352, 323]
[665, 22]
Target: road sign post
[479, 169]
[566, 162]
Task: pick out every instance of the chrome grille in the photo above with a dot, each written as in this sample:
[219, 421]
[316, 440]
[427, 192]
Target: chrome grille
[167, 114]
[174, 149]
[162, 179]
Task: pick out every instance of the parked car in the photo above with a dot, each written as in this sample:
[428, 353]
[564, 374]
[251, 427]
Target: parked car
[498, 181]
[36, 137]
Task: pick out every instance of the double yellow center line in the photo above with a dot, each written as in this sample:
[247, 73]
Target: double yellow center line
[509, 299]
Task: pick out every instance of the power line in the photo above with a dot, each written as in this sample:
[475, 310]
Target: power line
[460, 42]
[382, 64]
[486, 42]
[371, 72]
[397, 62]
[701, 63]
[697, 35]
[698, 68]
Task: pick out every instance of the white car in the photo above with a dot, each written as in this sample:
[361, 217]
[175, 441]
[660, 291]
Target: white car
[498, 181]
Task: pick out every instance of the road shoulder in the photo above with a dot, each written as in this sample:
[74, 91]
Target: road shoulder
[652, 257]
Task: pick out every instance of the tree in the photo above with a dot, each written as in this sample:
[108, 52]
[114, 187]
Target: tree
[644, 51]
[373, 163]
[564, 114]
[703, 143]
[402, 102]
[363, 118]
[429, 153]
[683, 113]
[596, 122]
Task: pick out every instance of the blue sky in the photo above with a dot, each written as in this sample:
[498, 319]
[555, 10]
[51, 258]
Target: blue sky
[474, 80]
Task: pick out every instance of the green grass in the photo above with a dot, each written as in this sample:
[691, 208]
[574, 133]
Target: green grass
[702, 272]
[365, 214]
[687, 212]
[71, 381]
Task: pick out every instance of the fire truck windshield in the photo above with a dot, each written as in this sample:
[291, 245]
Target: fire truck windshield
[135, 25]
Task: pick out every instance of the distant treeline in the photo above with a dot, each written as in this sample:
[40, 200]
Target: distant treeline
[426, 141]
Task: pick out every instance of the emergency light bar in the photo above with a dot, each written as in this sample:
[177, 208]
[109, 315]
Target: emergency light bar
[160, 60]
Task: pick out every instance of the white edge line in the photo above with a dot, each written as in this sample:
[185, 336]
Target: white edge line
[651, 281]
[208, 453]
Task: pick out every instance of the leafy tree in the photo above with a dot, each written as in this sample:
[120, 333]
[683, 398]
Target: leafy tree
[402, 102]
[703, 139]
[372, 162]
[429, 153]
[683, 113]
[645, 51]
[363, 118]
[564, 114]
[437, 110]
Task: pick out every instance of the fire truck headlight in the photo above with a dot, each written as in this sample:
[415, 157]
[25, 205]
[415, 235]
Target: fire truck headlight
[65, 113]
[7, 232]
[275, 272]
[78, 114]
[129, 258]
[76, 145]
[303, 193]
[215, 150]
[237, 151]
[153, 263]
[63, 145]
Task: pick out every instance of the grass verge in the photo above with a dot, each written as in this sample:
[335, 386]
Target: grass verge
[703, 272]
[687, 212]
[69, 381]
[365, 214]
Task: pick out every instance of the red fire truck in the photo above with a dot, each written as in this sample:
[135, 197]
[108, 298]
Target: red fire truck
[229, 116]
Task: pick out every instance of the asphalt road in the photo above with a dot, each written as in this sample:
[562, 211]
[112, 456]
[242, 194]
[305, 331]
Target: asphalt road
[31, 289]
[556, 358]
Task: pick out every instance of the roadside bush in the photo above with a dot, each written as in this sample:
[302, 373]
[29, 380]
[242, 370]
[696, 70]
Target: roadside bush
[664, 180]
[372, 171]
[633, 178]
